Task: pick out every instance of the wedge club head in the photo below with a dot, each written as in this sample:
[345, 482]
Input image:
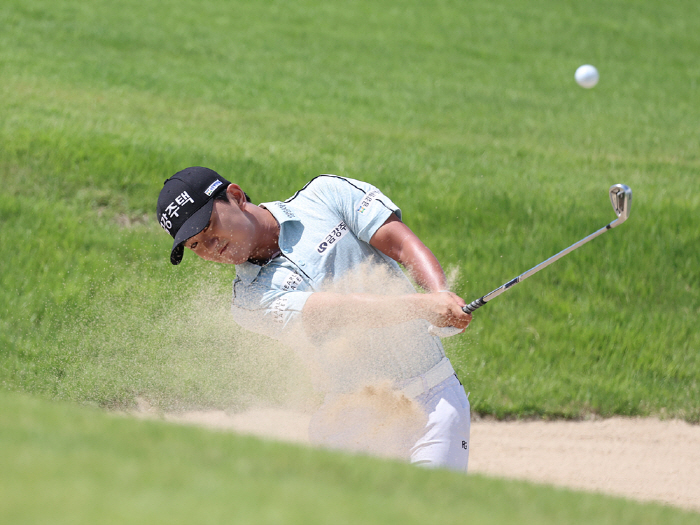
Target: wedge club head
[621, 199]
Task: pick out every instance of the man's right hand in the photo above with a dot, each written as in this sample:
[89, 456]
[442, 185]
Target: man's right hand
[443, 309]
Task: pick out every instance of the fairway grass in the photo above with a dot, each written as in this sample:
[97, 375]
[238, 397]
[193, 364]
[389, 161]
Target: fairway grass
[466, 115]
[65, 464]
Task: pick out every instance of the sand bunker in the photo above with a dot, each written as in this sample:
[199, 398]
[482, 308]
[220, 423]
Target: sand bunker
[642, 459]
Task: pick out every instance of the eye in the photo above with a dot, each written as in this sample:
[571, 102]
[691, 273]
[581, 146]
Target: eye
[193, 245]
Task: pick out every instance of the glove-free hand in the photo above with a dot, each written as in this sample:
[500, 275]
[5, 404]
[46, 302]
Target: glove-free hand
[450, 312]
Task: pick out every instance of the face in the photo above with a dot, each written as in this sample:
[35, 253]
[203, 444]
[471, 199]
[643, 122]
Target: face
[228, 238]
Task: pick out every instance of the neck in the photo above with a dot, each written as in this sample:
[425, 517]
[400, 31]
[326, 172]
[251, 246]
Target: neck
[269, 234]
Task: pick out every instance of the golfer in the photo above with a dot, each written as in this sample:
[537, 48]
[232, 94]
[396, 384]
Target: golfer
[320, 272]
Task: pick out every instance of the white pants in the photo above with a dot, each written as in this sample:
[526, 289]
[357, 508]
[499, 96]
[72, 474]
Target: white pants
[433, 432]
[445, 442]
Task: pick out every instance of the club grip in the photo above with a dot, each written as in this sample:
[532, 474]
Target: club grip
[449, 331]
[478, 303]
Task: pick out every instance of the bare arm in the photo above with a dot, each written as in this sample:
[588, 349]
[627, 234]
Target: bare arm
[397, 241]
[324, 309]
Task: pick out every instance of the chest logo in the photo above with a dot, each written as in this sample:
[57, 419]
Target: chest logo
[334, 236]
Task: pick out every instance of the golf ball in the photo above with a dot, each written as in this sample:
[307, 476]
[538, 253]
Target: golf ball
[586, 76]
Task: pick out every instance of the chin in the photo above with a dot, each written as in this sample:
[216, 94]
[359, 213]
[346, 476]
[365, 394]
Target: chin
[233, 260]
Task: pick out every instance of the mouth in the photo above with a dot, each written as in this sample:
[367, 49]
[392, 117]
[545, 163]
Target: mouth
[221, 251]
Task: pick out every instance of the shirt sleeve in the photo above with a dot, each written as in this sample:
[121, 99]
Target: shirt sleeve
[273, 313]
[363, 207]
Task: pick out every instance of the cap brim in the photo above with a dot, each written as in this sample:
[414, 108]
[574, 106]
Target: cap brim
[192, 227]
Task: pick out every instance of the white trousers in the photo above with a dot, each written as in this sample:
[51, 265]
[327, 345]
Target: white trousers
[445, 442]
[432, 432]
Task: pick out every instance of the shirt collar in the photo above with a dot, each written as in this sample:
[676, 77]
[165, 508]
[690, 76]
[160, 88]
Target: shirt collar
[247, 272]
[280, 211]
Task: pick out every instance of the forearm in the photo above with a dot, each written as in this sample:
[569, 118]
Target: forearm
[396, 240]
[324, 310]
[327, 310]
[423, 266]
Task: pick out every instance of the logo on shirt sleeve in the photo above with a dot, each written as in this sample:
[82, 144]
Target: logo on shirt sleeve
[334, 236]
[369, 198]
[278, 307]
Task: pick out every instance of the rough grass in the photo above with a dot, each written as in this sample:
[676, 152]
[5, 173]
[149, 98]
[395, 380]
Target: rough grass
[466, 114]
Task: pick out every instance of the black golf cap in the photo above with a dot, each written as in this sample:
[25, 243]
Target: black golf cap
[185, 204]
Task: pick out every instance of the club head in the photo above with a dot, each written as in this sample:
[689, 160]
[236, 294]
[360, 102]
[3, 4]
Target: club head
[621, 199]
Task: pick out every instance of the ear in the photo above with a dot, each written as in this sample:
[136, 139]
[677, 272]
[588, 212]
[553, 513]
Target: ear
[236, 194]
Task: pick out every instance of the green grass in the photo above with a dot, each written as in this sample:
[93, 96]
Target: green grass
[466, 114]
[64, 464]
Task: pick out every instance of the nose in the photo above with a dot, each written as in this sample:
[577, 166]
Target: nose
[210, 243]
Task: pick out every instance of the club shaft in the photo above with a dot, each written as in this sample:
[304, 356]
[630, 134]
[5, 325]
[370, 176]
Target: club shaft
[498, 291]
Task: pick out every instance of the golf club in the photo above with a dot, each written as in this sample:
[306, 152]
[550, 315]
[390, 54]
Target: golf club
[621, 199]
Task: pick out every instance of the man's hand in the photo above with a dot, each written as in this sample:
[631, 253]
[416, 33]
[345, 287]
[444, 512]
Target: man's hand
[444, 309]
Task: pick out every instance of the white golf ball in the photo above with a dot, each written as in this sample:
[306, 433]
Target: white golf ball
[587, 76]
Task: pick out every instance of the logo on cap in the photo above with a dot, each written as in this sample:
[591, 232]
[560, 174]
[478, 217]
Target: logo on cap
[172, 209]
[212, 187]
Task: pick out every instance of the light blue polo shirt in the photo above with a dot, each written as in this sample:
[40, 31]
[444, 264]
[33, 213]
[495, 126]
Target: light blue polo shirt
[325, 230]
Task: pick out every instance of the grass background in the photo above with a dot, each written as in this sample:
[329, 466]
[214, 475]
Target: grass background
[465, 113]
